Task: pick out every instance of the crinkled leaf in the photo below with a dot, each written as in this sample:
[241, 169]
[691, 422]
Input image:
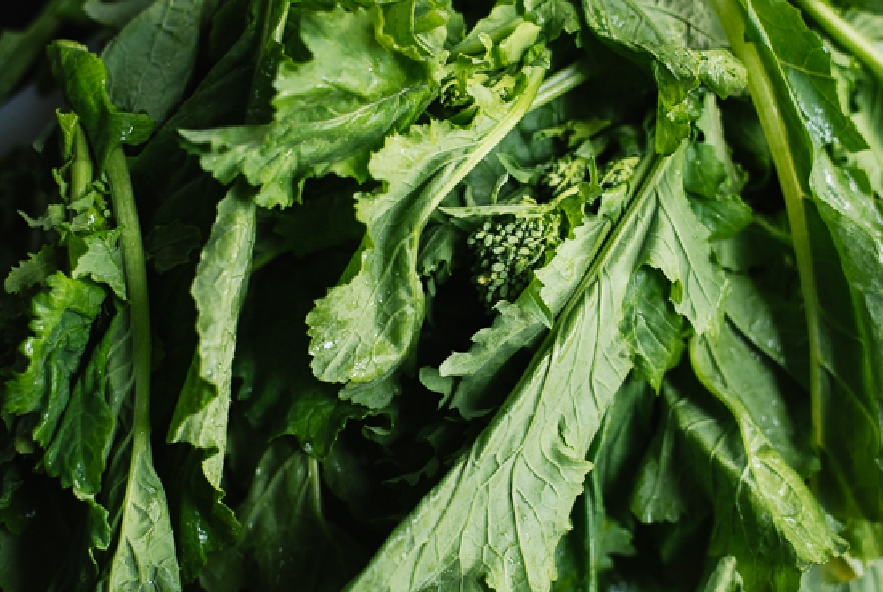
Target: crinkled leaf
[83, 78]
[145, 555]
[416, 28]
[201, 414]
[364, 328]
[330, 112]
[151, 59]
[103, 262]
[63, 318]
[35, 270]
[78, 453]
[681, 252]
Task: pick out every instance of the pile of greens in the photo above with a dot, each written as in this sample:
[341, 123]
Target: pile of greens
[413, 295]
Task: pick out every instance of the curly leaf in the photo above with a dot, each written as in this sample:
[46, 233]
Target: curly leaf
[63, 318]
[363, 329]
[330, 112]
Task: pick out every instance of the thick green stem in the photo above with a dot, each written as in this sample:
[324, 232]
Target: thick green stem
[845, 34]
[793, 188]
[558, 84]
[81, 170]
[136, 287]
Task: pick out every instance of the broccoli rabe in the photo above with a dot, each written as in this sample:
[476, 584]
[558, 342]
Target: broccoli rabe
[563, 173]
[507, 249]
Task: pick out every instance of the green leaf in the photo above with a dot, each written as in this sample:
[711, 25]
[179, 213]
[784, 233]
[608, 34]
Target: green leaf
[103, 262]
[115, 14]
[36, 270]
[742, 379]
[497, 516]
[681, 252]
[171, 244]
[652, 23]
[835, 225]
[330, 112]
[78, 452]
[201, 414]
[286, 533]
[652, 327]
[661, 493]
[724, 577]
[221, 97]
[684, 43]
[145, 554]
[150, 60]
[365, 328]
[63, 318]
[278, 392]
[83, 78]
[765, 516]
[416, 28]
[868, 100]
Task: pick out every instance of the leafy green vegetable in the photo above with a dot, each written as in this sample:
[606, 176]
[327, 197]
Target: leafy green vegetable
[422, 295]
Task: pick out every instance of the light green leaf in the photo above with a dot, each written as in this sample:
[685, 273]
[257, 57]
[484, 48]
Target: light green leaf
[680, 250]
[36, 269]
[724, 577]
[201, 414]
[62, 322]
[765, 516]
[145, 555]
[330, 112]
[103, 262]
[365, 328]
[652, 327]
[416, 28]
